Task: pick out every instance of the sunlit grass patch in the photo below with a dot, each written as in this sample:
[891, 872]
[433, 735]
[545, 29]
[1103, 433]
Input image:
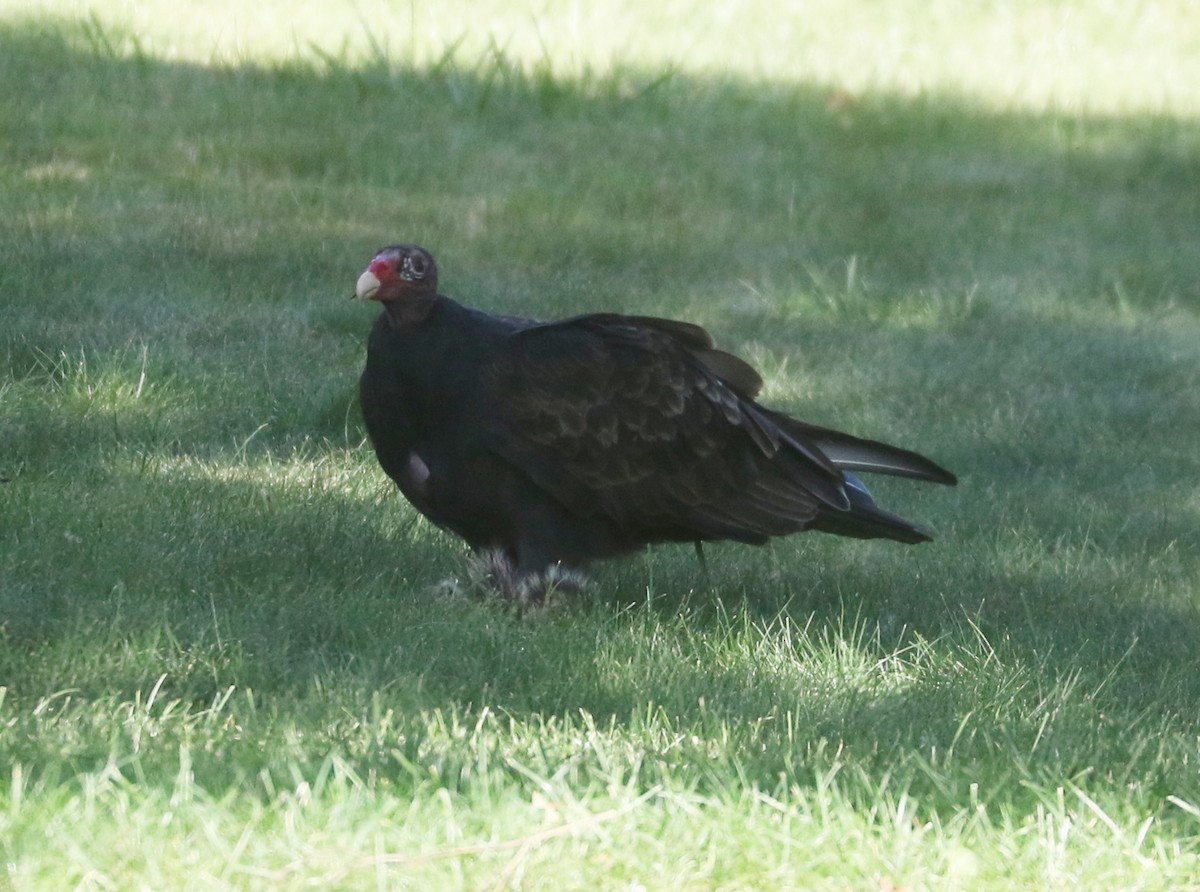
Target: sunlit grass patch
[342, 787]
[1103, 57]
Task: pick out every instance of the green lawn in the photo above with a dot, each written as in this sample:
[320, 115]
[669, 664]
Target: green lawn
[967, 228]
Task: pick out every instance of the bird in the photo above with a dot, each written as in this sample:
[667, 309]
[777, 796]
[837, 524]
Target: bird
[548, 446]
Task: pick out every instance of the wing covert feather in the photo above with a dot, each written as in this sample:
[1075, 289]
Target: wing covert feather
[631, 417]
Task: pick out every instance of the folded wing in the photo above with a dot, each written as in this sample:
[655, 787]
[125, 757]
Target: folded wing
[644, 422]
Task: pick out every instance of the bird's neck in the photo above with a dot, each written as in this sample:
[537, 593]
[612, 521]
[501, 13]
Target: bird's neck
[412, 310]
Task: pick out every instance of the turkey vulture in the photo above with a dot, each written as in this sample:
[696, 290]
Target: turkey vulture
[548, 445]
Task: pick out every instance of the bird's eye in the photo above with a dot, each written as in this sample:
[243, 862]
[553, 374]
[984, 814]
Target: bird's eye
[414, 267]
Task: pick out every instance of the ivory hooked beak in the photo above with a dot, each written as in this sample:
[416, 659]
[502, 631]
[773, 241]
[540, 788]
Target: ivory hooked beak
[367, 286]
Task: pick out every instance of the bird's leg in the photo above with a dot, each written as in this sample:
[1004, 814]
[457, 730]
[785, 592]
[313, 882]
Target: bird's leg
[537, 588]
[494, 570]
[700, 557]
[541, 574]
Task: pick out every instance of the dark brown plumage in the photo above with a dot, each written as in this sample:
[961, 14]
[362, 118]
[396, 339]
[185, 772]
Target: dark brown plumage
[557, 444]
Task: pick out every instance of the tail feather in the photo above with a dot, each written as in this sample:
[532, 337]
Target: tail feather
[851, 453]
[866, 520]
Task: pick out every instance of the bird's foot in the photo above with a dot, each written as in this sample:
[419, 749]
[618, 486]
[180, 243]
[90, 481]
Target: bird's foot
[552, 587]
[493, 571]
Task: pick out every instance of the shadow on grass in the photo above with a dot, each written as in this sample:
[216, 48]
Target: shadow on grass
[1023, 288]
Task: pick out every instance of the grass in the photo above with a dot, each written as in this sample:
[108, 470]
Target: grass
[967, 228]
